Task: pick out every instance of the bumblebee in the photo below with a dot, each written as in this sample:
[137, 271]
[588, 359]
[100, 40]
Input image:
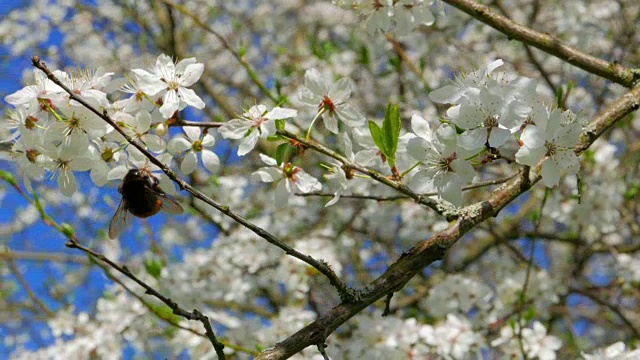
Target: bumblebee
[141, 197]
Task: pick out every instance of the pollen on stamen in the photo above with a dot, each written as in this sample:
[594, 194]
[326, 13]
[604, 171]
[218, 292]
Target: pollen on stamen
[327, 104]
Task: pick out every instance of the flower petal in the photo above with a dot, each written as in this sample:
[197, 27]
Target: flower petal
[350, 116]
[331, 123]
[235, 129]
[189, 163]
[267, 174]
[550, 173]
[340, 90]
[473, 140]
[191, 74]
[248, 143]
[315, 82]
[178, 145]
[210, 160]
[281, 113]
[498, 137]
[170, 104]
[421, 127]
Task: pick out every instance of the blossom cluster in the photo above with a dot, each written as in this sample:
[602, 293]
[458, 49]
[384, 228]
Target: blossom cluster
[400, 17]
[52, 132]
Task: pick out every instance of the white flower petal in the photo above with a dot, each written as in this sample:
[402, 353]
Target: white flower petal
[550, 173]
[67, 182]
[314, 81]
[449, 188]
[331, 123]
[498, 137]
[191, 74]
[447, 94]
[340, 90]
[418, 148]
[267, 174]
[568, 161]
[192, 132]
[178, 145]
[170, 104]
[208, 140]
[189, 163]
[473, 140]
[533, 136]
[210, 160]
[235, 129]
[190, 97]
[99, 173]
[248, 143]
[281, 113]
[307, 183]
[464, 170]
[494, 65]
[530, 157]
[268, 160]
[421, 127]
[154, 143]
[367, 157]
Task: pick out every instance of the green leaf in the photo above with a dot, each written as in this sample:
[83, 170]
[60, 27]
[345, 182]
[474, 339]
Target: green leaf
[364, 57]
[153, 267]
[280, 124]
[378, 137]
[281, 152]
[530, 314]
[391, 129]
[632, 192]
[395, 62]
[273, 138]
[164, 312]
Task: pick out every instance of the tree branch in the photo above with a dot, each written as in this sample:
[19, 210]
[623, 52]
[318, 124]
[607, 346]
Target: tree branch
[549, 44]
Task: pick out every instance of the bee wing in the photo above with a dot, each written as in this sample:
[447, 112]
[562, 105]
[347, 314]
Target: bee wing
[169, 205]
[120, 220]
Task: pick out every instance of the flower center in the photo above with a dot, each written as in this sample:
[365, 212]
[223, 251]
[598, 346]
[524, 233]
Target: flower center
[491, 122]
[30, 122]
[32, 155]
[289, 171]
[552, 148]
[328, 105]
[197, 146]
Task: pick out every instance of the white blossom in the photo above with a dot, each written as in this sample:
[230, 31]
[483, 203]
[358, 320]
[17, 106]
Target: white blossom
[287, 176]
[254, 124]
[330, 98]
[172, 81]
[193, 144]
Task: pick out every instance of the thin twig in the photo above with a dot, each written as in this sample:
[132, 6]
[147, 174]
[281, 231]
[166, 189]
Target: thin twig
[549, 44]
[400, 197]
[25, 284]
[252, 74]
[211, 124]
[42, 256]
[525, 285]
[149, 290]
